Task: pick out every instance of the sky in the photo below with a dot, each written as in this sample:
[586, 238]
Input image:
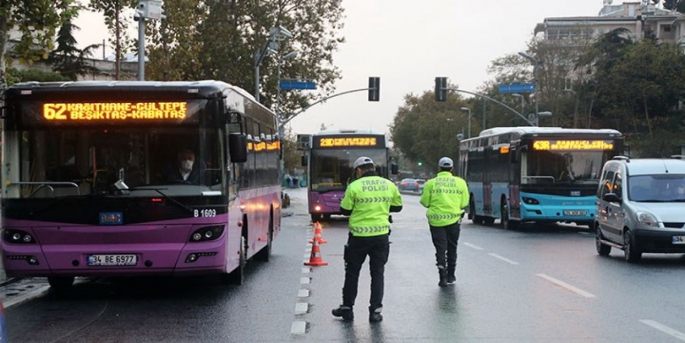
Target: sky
[407, 43]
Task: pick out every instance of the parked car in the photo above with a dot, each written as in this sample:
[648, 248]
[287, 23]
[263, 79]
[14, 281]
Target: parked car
[639, 207]
[422, 183]
[408, 185]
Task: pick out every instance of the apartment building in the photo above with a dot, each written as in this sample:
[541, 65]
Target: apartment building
[637, 17]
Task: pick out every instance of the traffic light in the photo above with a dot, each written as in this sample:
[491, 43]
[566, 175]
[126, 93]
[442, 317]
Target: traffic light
[374, 88]
[440, 88]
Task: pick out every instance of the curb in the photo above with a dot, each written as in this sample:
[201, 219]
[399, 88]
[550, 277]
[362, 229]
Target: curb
[27, 296]
[10, 281]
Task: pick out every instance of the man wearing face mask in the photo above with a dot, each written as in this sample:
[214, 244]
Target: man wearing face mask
[186, 170]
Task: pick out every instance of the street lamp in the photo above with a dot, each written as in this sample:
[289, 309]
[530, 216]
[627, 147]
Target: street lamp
[536, 65]
[469, 126]
[279, 115]
[276, 35]
[541, 114]
[517, 95]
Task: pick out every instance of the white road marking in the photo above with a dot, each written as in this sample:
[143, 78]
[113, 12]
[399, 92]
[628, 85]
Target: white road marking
[567, 286]
[304, 280]
[503, 259]
[303, 293]
[299, 327]
[301, 308]
[663, 328]
[473, 246]
[27, 296]
[306, 270]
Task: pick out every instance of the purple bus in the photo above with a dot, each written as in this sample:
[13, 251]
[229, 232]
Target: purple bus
[329, 157]
[137, 178]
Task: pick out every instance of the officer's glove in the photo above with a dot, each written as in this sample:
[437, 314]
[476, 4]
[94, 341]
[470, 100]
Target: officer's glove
[390, 219]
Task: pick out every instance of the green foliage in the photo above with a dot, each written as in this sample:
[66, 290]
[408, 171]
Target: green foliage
[424, 130]
[118, 14]
[37, 21]
[203, 39]
[16, 76]
[67, 59]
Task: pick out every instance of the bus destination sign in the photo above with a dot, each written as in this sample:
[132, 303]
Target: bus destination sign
[562, 144]
[348, 142]
[115, 111]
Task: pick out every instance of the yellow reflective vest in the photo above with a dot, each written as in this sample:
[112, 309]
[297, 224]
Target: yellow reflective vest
[445, 196]
[369, 198]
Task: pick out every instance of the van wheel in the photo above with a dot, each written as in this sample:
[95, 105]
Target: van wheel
[61, 283]
[472, 210]
[632, 255]
[602, 249]
[488, 220]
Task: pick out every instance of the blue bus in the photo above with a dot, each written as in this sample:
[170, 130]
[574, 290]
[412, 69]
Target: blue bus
[525, 175]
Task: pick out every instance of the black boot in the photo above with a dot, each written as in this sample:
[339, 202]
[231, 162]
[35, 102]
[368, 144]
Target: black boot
[443, 277]
[375, 315]
[451, 278]
[344, 311]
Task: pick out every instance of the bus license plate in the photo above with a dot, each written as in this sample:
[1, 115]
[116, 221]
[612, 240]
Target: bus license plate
[112, 260]
[574, 213]
[678, 239]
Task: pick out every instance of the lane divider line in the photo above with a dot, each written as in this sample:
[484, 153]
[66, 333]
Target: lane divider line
[299, 327]
[566, 286]
[301, 308]
[303, 293]
[473, 246]
[503, 259]
[663, 328]
[304, 280]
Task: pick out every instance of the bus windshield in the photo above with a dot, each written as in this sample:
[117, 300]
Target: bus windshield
[563, 167]
[90, 161]
[331, 169]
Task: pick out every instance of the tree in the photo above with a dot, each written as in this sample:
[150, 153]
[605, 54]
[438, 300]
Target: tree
[206, 39]
[117, 22]
[425, 130]
[67, 59]
[36, 21]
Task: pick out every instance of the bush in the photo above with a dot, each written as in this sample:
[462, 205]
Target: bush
[15, 76]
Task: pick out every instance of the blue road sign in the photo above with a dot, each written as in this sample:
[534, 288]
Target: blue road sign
[297, 84]
[517, 88]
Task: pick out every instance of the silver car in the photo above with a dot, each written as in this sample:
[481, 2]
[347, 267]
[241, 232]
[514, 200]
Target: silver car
[640, 207]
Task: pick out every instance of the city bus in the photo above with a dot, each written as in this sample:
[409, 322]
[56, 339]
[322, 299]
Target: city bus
[329, 157]
[84, 190]
[522, 175]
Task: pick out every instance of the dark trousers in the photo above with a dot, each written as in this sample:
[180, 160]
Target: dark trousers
[445, 240]
[356, 250]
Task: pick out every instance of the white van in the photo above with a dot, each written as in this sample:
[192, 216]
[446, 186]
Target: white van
[641, 207]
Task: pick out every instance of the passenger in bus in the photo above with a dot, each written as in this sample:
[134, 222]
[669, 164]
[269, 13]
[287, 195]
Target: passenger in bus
[186, 169]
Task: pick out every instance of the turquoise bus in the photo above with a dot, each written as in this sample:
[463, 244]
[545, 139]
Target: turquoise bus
[525, 175]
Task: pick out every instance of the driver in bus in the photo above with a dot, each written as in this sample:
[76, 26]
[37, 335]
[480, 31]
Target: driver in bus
[186, 169]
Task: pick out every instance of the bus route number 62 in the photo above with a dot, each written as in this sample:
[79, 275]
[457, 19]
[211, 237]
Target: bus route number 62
[206, 212]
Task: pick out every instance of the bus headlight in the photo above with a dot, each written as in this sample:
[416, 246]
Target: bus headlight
[317, 208]
[208, 233]
[530, 201]
[18, 236]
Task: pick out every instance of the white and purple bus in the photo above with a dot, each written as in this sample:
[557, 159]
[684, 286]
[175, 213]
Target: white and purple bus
[329, 157]
[86, 188]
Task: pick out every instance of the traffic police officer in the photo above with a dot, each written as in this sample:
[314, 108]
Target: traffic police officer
[445, 196]
[368, 201]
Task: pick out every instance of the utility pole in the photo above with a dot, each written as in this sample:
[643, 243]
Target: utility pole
[147, 9]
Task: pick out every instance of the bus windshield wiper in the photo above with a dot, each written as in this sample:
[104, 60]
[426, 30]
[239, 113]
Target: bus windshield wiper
[158, 190]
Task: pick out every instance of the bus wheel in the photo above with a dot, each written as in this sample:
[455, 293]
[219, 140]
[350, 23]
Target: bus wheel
[326, 217]
[507, 224]
[488, 220]
[237, 276]
[316, 217]
[478, 220]
[61, 283]
[264, 255]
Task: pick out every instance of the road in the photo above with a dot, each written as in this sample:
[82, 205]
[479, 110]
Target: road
[542, 285]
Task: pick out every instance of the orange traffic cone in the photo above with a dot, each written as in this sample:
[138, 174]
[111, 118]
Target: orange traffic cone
[317, 234]
[315, 259]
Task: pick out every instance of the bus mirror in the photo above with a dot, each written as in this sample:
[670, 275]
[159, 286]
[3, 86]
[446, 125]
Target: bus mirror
[237, 147]
[303, 161]
[394, 168]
